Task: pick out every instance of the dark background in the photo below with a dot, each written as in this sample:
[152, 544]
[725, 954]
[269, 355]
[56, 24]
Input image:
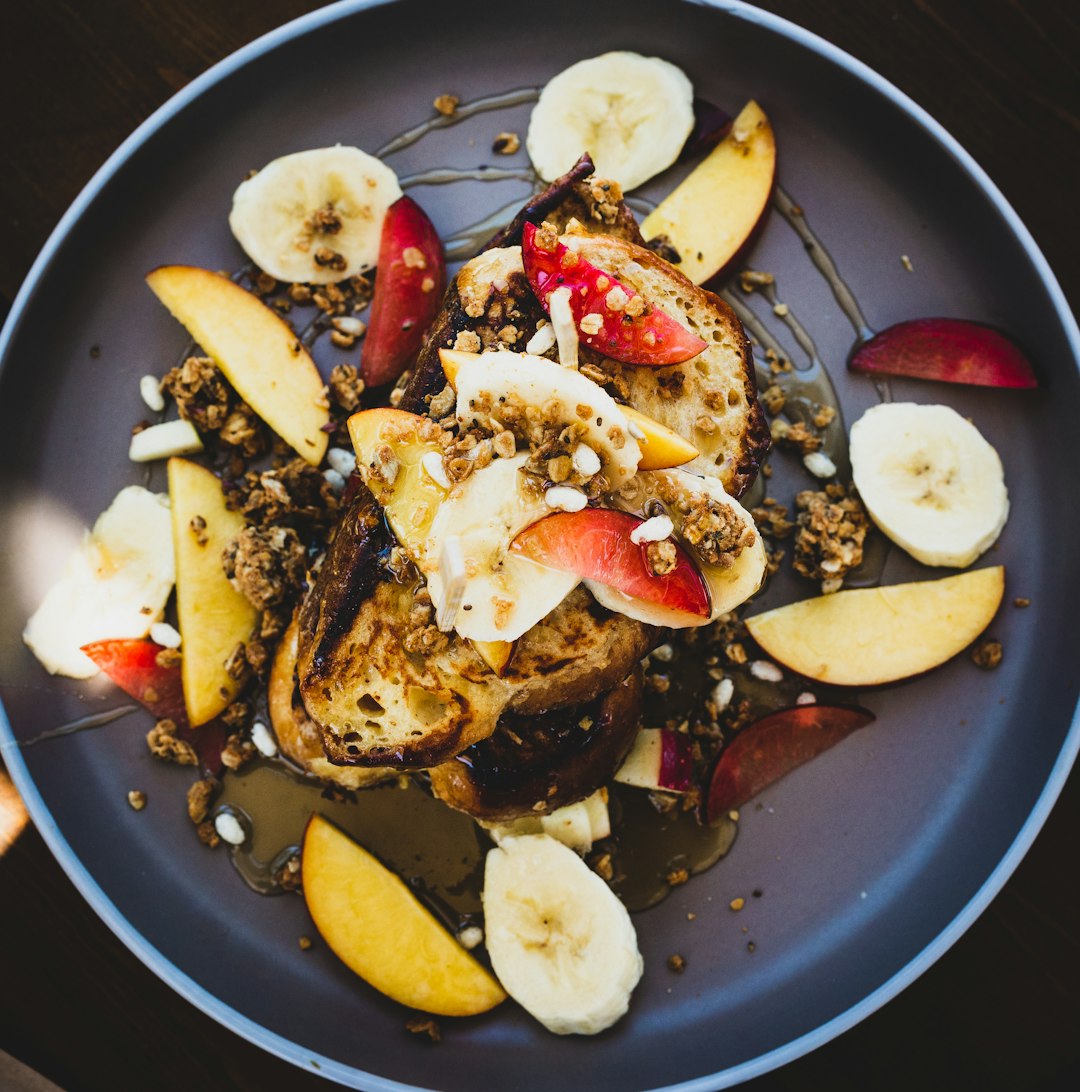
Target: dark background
[1000, 1010]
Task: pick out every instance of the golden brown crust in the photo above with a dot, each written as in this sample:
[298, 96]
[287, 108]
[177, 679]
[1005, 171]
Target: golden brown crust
[298, 736]
[534, 765]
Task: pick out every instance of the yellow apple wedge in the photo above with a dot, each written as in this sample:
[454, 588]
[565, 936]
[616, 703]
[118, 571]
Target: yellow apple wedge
[714, 210]
[412, 498]
[661, 447]
[255, 349]
[869, 636]
[376, 926]
[214, 616]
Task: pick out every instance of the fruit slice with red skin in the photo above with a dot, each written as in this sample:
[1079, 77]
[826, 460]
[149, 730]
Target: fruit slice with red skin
[409, 284]
[775, 745]
[947, 350]
[595, 545]
[659, 759]
[132, 665]
[652, 337]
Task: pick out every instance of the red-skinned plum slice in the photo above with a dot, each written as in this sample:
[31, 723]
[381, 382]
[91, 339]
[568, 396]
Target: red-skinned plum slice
[946, 350]
[133, 665]
[651, 337]
[775, 745]
[409, 284]
[595, 545]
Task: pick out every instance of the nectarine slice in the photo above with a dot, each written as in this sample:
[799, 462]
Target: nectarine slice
[595, 544]
[376, 926]
[712, 213]
[868, 636]
[409, 284]
[775, 745]
[254, 348]
[214, 617]
[600, 306]
[947, 350]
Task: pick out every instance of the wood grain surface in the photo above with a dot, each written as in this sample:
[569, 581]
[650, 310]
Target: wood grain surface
[999, 1011]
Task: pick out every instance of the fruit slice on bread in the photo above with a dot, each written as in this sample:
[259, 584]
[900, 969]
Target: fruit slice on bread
[610, 316]
[660, 446]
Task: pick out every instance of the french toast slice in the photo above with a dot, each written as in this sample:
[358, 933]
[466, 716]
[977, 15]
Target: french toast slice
[299, 737]
[381, 701]
[534, 765]
[711, 399]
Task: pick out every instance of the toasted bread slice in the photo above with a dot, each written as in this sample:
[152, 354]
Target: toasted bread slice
[534, 765]
[378, 704]
[712, 399]
[298, 736]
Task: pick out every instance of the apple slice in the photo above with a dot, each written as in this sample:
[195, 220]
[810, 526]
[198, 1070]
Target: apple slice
[376, 926]
[868, 636]
[773, 746]
[602, 306]
[133, 666]
[409, 284]
[661, 447]
[255, 349]
[214, 617]
[714, 211]
[595, 544]
[948, 350]
[659, 759]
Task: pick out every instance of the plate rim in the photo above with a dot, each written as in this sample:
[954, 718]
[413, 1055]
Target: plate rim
[348, 1075]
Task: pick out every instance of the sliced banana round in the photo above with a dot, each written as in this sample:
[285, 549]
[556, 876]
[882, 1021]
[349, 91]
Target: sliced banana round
[560, 941]
[631, 113]
[930, 481]
[528, 393]
[316, 216]
[706, 520]
[505, 594]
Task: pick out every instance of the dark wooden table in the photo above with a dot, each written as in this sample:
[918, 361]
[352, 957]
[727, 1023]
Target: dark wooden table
[1000, 1010]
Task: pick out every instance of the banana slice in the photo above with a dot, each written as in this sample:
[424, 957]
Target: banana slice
[503, 386]
[560, 941]
[694, 505]
[315, 216]
[114, 585]
[505, 594]
[631, 113]
[930, 481]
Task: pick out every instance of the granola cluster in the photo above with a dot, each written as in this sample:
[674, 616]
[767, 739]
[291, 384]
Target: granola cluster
[830, 531]
[204, 398]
